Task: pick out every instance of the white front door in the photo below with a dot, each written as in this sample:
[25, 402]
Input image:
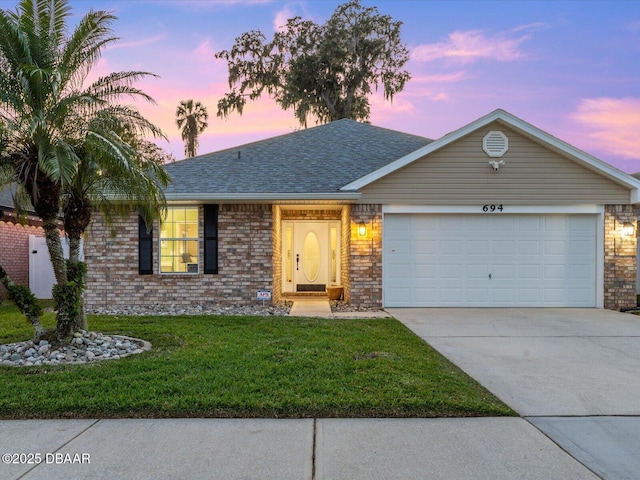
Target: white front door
[310, 256]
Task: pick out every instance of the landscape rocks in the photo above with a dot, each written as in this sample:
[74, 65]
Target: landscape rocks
[281, 309]
[341, 306]
[217, 309]
[84, 347]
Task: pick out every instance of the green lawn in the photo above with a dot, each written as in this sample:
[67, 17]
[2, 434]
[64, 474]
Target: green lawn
[207, 366]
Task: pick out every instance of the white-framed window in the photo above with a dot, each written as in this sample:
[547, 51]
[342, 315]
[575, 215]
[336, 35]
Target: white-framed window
[179, 240]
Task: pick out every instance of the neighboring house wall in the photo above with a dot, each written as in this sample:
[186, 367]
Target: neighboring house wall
[620, 257]
[459, 174]
[244, 252]
[14, 254]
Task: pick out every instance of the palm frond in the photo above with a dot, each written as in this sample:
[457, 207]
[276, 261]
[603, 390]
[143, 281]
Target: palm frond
[119, 84]
[84, 47]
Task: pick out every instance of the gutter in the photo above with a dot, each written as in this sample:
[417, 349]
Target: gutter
[344, 197]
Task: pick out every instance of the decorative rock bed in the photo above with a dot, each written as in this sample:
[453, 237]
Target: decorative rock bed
[170, 310]
[85, 347]
[341, 306]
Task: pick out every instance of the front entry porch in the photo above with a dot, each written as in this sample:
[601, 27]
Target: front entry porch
[310, 249]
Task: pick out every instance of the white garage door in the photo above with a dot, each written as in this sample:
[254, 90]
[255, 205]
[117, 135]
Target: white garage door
[494, 260]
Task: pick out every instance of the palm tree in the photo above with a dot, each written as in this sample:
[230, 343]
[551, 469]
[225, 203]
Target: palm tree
[52, 121]
[192, 119]
[113, 185]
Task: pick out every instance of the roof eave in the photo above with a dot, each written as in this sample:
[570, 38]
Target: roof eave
[343, 197]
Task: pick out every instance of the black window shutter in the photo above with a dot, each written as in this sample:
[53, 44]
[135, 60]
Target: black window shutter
[210, 239]
[145, 248]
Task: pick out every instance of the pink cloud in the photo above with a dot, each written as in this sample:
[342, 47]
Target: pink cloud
[281, 17]
[440, 97]
[612, 125]
[204, 51]
[471, 46]
[137, 43]
[440, 77]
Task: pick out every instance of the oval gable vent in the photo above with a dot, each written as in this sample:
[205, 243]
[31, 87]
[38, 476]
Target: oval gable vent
[495, 144]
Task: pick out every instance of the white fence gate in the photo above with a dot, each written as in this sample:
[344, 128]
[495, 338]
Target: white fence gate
[41, 276]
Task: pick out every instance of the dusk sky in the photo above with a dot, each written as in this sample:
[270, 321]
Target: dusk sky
[571, 68]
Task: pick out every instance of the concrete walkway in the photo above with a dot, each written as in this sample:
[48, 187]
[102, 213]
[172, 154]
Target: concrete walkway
[310, 307]
[306, 449]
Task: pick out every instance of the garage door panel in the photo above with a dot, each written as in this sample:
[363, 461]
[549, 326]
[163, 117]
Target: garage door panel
[534, 260]
[478, 271]
[451, 295]
[530, 224]
[502, 295]
[528, 272]
[580, 248]
[554, 272]
[451, 270]
[503, 271]
[477, 247]
[555, 296]
[554, 247]
[400, 295]
[529, 247]
[581, 224]
[555, 224]
[425, 271]
[580, 295]
[529, 296]
[578, 271]
[504, 224]
[428, 247]
[478, 296]
[398, 272]
[503, 247]
[451, 247]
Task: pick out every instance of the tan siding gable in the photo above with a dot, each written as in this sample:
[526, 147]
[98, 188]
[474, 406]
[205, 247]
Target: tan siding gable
[460, 174]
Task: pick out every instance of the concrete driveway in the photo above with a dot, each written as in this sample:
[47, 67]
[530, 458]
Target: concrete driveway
[573, 373]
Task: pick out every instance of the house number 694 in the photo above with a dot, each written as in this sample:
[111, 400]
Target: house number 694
[492, 208]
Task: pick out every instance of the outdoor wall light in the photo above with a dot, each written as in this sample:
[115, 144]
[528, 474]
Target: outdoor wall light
[362, 229]
[627, 229]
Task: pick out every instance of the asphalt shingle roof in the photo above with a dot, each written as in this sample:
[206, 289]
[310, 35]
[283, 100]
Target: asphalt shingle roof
[6, 197]
[315, 160]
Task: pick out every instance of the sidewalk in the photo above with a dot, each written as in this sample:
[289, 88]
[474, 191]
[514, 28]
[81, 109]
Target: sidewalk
[229, 449]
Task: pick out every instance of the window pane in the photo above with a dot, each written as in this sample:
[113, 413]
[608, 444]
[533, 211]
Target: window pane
[179, 238]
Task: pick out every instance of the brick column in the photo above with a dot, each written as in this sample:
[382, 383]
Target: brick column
[619, 258]
[276, 234]
[366, 256]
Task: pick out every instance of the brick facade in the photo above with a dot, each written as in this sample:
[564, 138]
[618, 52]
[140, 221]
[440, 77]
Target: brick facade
[244, 261]
[250, 251]
[620, 256]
